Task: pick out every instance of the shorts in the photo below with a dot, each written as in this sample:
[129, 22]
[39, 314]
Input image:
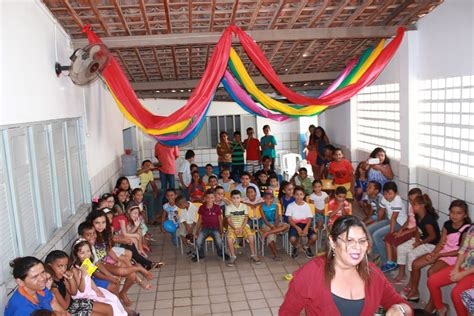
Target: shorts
[319, 218]
[81, 307]
[101, 283]
[182, 231]
[245, 233]
[119, 251]
[270, 237]
[294, 233]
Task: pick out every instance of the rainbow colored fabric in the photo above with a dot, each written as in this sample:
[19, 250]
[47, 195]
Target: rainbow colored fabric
[182, 125]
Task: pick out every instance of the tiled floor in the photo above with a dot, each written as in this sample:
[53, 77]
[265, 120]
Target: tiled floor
[183, 287]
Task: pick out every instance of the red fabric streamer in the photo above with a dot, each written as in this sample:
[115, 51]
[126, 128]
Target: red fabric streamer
[334, 98]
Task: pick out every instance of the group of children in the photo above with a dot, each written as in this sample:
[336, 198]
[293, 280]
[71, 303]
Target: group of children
[409, 240]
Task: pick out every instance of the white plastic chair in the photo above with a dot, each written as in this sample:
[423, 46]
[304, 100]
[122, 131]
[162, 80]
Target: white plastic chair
[290, 164]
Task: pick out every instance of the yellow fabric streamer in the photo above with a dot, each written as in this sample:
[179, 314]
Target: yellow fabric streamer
[375, 53]
[264, 99]
[170, 129]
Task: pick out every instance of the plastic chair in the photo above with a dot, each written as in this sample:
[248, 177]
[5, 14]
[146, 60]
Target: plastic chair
[254, 216]
[290, 165]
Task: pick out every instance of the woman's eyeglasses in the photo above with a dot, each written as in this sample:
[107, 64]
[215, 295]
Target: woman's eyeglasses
[352, 243]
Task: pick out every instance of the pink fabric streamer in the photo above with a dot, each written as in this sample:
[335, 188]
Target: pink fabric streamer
[247, 100]
[340, 79]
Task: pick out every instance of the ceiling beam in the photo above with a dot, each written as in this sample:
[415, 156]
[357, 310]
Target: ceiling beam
[189, 84]
[258, 35]
[220, 92]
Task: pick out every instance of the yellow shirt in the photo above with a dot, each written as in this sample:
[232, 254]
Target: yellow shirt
[146, 178]
[237, 214]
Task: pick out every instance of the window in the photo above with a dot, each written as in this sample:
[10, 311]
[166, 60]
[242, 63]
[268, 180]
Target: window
[208, 136]
[378, 119]
[446, 125]
[42, 183]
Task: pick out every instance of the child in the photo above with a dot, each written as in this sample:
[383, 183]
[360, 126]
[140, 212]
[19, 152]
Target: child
[124, 226]
[196, 188]
[252, 200]
[274, 185]
[224, 153]
[327, 159]
[268, 143]
[58, 262]
[300, 217]
[338, 206]
[184, 172]
[122, 184]
[406, 232]
[237, 149]
[252, 151]
[244, 183]
[120, 202]
[187, 222]
[147, 181]
[137, 199]
[361, 183]
[319, 198]
[208, 174]
[301, 178]
[270, 224]
[426, 238]
[286, 197]
[342, 172]
[86, 288]
[262, 182]
[236, 214]
[209, 224]
[445, 252]
[395, 210]
[212, 183]
[170, 212]
[220, 198]
[194, 168]
[226, 182]
[371, 204]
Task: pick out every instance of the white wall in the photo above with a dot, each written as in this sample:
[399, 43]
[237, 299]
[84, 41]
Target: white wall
[32, 92]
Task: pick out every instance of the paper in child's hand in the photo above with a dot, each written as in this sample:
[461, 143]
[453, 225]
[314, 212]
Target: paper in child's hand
[90, 266]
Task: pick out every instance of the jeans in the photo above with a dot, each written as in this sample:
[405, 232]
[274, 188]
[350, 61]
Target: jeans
[154, 205]
[237, 171]
[215, 234]
[167, 181]
[378, 231]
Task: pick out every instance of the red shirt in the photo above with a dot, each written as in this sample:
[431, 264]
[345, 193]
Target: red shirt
[167, 157]
[252, 149]
[332, 207]
[210, 216]
[308, 290]
[116, 222]
[341, 171]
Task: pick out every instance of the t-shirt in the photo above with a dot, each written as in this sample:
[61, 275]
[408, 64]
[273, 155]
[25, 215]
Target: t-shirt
[227, 156]
[188, 215]
[395, 206]
[307, 184]
[375, 203]
[422, 224]
[210, 216]
[253, 148]
[377, 176]
[167, 157]
[270, 213]
[226, 185]
[263, 187]
[332, 207]
[145, 178]
[243, 191]
[254, 202]
[319, 201]
[341, 171]
[360, 183]
[197, 190]
[237, 214]
[116, 222]
[237, 154]
[299, 213]
[21, 305]
[172, 211]
[185, 169]
[268, 140]
[467, 249]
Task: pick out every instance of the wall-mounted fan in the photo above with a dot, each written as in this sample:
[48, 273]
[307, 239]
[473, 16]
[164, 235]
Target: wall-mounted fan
[87, 64]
